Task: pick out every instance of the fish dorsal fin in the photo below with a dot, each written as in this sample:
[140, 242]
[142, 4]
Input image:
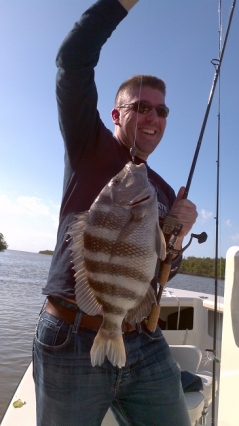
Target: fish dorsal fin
[143, 309]
[85, 297]
[160, 243]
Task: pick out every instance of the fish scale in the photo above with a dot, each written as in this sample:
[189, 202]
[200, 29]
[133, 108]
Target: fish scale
[114, 251]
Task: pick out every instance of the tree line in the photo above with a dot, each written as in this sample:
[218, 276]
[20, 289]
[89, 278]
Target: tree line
[203, 266]
[3, 244]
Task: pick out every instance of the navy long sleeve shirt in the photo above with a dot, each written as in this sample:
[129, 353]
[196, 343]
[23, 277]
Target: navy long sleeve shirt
[92, 154]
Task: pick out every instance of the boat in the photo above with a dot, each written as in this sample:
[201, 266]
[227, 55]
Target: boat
[187, 320]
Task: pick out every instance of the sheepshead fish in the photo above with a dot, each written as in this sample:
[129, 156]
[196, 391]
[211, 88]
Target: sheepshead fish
[115, 248]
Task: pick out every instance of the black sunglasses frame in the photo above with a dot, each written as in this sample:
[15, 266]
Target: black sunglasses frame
[144, 108]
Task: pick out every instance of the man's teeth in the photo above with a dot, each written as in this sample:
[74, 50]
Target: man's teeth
[149, 131]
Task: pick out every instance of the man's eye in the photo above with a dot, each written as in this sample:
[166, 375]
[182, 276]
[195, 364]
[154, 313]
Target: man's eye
[144, 110]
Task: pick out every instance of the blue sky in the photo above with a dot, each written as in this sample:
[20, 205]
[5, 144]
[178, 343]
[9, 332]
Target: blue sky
[173, 39]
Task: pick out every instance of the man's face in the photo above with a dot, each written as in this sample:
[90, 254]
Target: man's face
[145, 130]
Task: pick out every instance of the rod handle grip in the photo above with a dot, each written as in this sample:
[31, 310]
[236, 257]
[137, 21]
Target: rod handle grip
[153, 318]
[165, 271]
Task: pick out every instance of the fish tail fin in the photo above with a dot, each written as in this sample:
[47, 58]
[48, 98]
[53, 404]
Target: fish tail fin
[110, 346]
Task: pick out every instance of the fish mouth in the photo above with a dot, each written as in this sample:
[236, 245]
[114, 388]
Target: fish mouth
[139, 201]
[144, 196]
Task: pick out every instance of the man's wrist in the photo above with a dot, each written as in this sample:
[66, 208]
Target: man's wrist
[127, 4]
[178, 245]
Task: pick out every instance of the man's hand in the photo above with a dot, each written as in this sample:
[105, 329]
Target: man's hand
[186, 213]
[127, 4]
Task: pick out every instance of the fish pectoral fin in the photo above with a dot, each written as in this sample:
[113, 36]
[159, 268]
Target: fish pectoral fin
[143, 309]
[160, 243]
[138, 213]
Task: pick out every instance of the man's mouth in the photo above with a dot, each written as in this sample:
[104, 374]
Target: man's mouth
[148, 131]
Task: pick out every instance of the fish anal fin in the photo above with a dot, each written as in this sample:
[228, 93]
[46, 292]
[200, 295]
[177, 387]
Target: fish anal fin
[143, 309]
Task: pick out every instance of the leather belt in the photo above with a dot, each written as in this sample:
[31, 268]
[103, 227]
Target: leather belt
[66, 314]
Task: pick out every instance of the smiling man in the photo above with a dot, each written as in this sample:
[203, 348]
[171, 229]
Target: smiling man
[140, 114]
[69, 391]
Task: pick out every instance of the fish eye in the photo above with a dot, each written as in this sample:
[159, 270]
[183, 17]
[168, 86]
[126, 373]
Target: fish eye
[115, 181]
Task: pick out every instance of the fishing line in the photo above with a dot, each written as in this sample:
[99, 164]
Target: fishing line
[133, 150]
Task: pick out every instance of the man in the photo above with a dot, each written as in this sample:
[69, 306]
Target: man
[69, 391]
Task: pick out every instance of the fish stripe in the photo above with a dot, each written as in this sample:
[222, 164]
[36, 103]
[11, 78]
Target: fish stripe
[103, 199]
[114, 269]
[110, 221]
[111, 309]
[120, 302]
[110, 326]
[135, 285]
[121, 248]
[112, 290]
[140, 261]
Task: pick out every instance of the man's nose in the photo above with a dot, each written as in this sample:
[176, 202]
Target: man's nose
[152, 115]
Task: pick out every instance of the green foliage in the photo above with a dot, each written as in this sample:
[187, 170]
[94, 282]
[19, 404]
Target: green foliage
[46, 252]
[3, 244]
[204, 267]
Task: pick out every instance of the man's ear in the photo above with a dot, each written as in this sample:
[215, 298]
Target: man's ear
[115, 114]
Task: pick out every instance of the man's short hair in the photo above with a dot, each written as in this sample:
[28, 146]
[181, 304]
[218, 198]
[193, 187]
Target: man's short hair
[135, 82]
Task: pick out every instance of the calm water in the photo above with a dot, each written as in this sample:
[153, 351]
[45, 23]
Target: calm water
[22, 276]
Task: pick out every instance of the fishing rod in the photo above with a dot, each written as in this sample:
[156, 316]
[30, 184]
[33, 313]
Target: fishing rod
[215, 358]
[214, 83]
[171, 226]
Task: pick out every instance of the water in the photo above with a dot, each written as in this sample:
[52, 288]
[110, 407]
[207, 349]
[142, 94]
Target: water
[22, 276]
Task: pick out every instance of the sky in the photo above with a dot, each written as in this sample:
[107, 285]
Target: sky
[173, 39]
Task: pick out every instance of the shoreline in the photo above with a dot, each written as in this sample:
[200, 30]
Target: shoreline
[201, 275]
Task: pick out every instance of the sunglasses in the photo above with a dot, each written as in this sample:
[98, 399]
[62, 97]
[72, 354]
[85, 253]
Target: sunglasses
[144, 108]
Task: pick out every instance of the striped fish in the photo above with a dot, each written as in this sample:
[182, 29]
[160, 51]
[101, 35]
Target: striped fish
[114, 252]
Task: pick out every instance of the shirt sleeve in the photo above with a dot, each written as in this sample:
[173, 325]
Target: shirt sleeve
[75, 83]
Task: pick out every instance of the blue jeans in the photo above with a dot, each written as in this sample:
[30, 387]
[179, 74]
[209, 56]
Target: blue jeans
[70, 392]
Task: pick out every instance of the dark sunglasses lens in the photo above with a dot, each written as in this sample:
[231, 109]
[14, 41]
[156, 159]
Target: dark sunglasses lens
[143, 108]
[162, 112]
